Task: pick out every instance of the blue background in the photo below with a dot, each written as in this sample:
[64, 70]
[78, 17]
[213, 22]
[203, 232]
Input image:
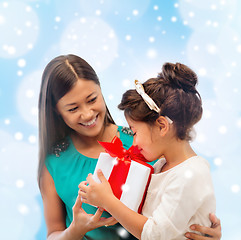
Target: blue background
[123, 40]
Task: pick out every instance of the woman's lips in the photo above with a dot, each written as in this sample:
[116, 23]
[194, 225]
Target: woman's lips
[90, 123]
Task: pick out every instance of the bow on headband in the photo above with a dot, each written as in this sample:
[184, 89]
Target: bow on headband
[148, 100]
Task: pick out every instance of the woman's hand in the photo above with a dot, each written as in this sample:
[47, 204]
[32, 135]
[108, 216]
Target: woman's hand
[83, 222]
[95, 193]
[214, 232]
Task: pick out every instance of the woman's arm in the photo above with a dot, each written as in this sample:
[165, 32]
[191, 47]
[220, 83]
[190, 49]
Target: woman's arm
[100, 194]
[214, 232]
[54, 212]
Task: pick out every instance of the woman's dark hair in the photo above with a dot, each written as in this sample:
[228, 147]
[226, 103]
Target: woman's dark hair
[174, 91]
[59, 77]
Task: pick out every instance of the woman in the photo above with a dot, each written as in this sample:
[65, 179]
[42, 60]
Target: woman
[72, 117]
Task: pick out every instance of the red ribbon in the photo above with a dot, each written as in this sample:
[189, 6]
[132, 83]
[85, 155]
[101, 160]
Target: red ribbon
[115, 149]
[120, 171]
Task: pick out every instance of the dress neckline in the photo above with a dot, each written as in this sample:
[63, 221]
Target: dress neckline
[81, 154]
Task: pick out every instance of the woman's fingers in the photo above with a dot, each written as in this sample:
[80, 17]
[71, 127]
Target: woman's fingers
[78, 204]
[111, 221]
[98, 214]
[194, 236]
[215, 221]
[210, 233]
[101, 221]
[108, 221]
[213, 232]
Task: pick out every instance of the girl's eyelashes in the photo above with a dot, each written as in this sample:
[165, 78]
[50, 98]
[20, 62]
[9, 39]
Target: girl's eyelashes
[134, 134]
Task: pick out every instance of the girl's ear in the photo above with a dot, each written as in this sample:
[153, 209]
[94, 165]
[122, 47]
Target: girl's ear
[163, 125]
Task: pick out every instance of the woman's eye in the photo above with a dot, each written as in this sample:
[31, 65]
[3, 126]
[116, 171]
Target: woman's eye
[92, 100]
[134, 134]
[72, 109]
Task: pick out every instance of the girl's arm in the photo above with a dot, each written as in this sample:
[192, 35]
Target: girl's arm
[214, 232]
[101, 195]
[54, 212]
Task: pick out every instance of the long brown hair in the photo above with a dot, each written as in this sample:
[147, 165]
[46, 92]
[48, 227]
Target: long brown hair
[58, 78]
[174, 91]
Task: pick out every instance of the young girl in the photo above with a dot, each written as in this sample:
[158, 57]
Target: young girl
[161, 114]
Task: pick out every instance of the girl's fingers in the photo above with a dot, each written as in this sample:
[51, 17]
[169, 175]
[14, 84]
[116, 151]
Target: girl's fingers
[90, 179]
[83, 185]
[101, 176]
[82, 194]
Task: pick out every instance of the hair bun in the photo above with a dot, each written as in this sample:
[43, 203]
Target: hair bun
[179, 76]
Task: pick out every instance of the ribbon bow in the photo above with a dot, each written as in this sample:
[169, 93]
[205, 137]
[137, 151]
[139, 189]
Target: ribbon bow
[148, 100]
[115, 149]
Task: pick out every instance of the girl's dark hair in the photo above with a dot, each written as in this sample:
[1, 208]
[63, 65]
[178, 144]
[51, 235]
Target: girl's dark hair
[59, 77]
[174, 91]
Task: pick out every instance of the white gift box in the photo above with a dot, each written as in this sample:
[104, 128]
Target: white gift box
[133, 187]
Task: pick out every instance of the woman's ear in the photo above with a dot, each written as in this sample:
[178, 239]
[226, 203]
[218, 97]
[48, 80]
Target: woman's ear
[55, 109]
[163, 125]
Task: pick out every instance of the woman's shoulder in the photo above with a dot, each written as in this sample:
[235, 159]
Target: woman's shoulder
[125, 130]
[59, 150]
[126, 136]
[60, 147]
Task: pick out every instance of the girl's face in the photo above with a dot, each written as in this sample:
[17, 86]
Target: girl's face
[147, 139]
[83, 108]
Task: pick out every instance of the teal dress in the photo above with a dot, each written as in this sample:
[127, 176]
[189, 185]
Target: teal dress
[68, 168]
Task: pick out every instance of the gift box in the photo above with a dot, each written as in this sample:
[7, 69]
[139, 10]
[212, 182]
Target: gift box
[127, 172]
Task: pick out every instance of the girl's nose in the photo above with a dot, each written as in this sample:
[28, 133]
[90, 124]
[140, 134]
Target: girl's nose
[134, 142]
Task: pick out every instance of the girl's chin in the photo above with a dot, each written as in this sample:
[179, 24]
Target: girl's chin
[149, 159]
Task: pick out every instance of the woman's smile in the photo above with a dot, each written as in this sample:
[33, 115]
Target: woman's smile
[90, 123]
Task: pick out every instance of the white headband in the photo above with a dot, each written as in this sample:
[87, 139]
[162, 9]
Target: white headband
[148, 100]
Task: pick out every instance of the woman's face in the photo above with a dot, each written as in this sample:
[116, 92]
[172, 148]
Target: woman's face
[147, 139]
[83, 108]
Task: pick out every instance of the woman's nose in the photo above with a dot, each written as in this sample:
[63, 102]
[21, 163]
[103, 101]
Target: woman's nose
[86, 114]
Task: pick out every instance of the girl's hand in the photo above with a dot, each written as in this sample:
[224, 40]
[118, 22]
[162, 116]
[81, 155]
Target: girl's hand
[95, 193]
[83, 222]
[214, 232]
